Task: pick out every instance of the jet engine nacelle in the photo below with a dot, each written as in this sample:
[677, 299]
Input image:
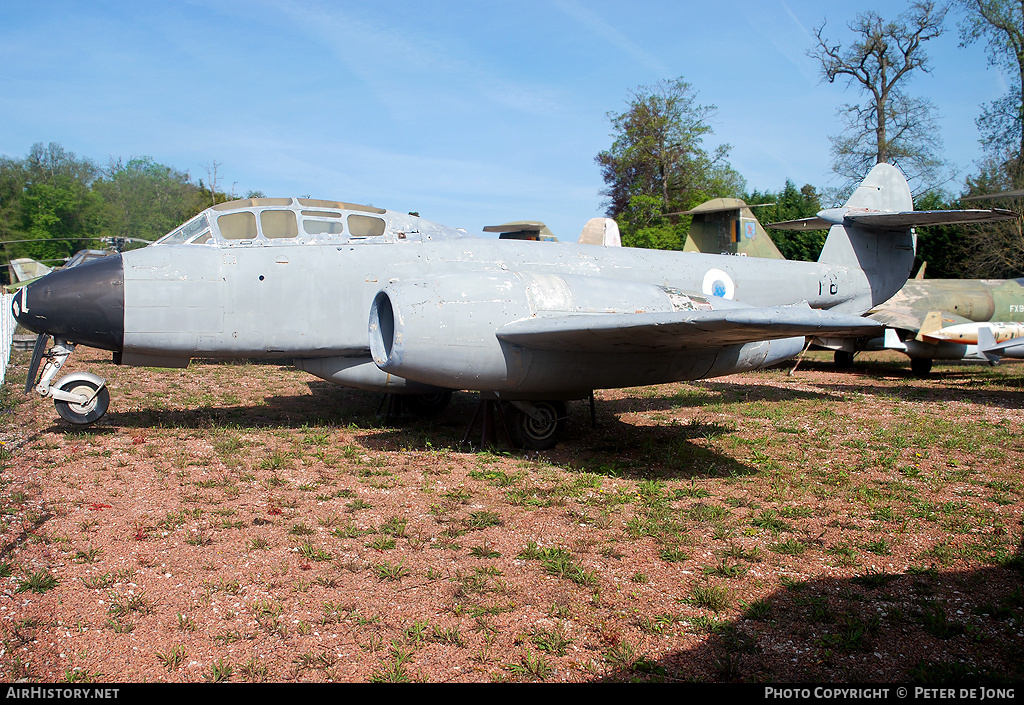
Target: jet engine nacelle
[443, 330]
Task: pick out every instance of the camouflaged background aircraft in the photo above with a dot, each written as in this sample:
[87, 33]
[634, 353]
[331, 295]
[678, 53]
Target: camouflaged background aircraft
[928, 319]
[727, 226]
[383, 301]
[939, 319]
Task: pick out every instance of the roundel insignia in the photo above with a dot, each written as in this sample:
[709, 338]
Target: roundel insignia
[718, 283]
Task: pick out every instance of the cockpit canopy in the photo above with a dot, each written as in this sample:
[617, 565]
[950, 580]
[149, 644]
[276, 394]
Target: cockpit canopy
[270, 221]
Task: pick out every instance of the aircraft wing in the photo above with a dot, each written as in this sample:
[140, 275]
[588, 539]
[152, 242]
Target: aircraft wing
[680, 330]
[910, 319]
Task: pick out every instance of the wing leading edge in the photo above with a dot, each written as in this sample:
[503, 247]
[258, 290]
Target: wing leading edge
[680, 330]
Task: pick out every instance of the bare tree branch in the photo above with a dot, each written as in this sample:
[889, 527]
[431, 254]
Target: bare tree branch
[888, 126]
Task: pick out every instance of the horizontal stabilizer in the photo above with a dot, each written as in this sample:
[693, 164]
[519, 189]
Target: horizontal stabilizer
[801, 224]
[720, 205]
[896, 221]
[680, 330]
[522, 230]
[912, 219]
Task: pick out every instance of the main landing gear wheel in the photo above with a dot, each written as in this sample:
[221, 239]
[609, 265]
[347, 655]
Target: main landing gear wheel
[921, 366]
[539, 433]
[87, 413]
[427, 404]
[844, 359]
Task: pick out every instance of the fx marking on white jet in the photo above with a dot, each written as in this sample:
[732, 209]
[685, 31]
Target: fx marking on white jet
[383, 301]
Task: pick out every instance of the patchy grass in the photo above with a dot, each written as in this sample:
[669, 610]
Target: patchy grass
[245, 522]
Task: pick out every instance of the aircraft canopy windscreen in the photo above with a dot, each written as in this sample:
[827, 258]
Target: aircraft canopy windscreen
[258, 222]
[192, 230]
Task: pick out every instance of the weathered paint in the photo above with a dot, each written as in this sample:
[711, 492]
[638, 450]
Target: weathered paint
[339, 287]
[965, 299]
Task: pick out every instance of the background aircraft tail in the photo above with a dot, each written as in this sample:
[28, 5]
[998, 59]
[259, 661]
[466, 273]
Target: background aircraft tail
[873, 232]
[727, 226]
[25, 268]
[601, 231]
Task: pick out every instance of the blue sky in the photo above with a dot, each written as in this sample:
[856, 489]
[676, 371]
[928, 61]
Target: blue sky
[469, 112]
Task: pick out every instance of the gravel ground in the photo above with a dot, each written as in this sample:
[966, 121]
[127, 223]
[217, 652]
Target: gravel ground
[249, 523]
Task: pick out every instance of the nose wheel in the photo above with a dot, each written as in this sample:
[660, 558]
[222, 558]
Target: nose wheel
[81, 398]
[95, 402]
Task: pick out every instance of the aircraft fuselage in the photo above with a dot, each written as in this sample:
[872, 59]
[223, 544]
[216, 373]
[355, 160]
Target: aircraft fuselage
[311, 303]
[314, 301]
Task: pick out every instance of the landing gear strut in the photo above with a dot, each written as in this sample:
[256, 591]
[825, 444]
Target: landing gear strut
[843, 359]
[81, 398]
[426, 405]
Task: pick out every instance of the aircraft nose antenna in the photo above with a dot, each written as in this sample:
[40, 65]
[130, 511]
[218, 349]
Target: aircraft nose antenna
[83, 304]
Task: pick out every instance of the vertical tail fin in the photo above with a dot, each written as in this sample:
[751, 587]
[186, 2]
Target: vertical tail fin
[871, 235]
[884, 189]
[884, 254]
[600, 231]
[727, 226]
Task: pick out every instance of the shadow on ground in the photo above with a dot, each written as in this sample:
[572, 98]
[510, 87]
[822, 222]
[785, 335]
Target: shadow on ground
[922, 626]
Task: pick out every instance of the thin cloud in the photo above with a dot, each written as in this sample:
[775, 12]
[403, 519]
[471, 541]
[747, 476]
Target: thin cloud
[602, 29]
[790, 43]
[398, 65]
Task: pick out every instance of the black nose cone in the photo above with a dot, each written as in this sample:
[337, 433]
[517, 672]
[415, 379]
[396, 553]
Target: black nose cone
[83, 304]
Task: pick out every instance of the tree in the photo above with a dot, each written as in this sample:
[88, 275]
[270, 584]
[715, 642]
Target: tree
[1001, 24]
[657, 164]
[791, 204]
[945, 248]
[146, 200]
[58, 209]
[53, 203]
[12, 184]
[889, 126]
[995, 250]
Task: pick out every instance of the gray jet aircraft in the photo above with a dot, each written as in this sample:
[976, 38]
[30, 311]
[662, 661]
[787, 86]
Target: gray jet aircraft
[383, 301]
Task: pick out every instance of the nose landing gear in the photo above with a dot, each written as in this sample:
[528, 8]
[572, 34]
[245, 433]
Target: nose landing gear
[81, 398]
